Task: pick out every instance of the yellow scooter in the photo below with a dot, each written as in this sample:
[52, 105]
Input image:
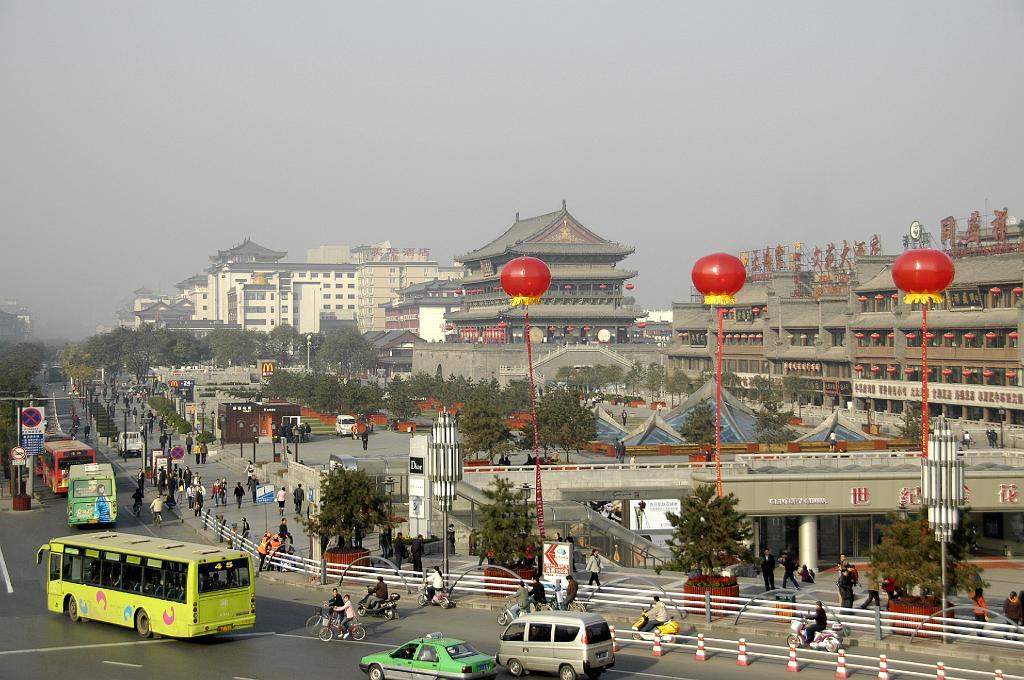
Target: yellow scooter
[669, 629]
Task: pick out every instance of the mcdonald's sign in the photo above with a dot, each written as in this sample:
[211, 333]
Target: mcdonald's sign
[267, 368]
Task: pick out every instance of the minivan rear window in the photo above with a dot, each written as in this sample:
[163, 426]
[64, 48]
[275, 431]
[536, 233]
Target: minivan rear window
[598, 632]
[566, 633]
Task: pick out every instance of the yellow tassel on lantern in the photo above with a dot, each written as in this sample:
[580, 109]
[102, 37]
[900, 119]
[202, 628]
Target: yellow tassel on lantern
[523, 300]
[719, 299]
[921, 298]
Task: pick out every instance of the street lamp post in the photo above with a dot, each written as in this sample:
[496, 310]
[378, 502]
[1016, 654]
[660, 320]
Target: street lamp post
[202, 415]
[445, 468]
[526, 490]
[309, 344]
[145, 433]
[1002, 418]
[124, 435]
[942, 489]
[390, 483]
[255, 438]
[241, 438]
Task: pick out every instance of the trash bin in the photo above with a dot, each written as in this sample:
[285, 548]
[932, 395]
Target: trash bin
[785, 606]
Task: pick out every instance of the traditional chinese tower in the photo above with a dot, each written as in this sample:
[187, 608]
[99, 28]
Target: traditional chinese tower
[586, 301]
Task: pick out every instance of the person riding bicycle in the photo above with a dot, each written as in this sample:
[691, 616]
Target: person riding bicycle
[435, 585]
[571, 588]
[376, 594]
[336, 601]
[820, 623]
[157, 507]
[347, 614]
[138, 497]
[537, 594]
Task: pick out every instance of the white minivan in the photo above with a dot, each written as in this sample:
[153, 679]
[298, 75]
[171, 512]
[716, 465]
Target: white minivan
[343, 426]
[132, 444]
[567, 644]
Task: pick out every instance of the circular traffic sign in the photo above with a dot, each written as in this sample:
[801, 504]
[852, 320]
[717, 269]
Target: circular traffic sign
[31, 417]
[177, 453]
[18, 453]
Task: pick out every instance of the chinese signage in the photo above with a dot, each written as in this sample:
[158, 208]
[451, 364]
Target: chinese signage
[797, 501]
[859, 495]
[557, 560]
[698, 338]
[32, 429]
[981, 395]
[964, 298]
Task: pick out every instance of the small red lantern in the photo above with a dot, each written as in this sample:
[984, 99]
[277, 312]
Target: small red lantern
[969, 336]
[586, 328]
[760, 337]
[567, 286]
[570, 329]
[875, 336]
[990, 336]
[910, 370]
[641, 324]
[858, 368]
[890, 369]
[891, 335]
[968, 372]
[629, 286]
[458, 291]
[1018, 291]
[947, 371]
[995, 290]
[602, 286]
[929, 336]
[949, 335]
[719, 277]
[895, 296]
[862, 299]
[858, 335]
[879, 297]
[1013, 335]
[684, 334]
[911, 336]
[525, 279]
[923, 274]
[876, 369]
[1011, 374]
[503, 325]
[987, 373]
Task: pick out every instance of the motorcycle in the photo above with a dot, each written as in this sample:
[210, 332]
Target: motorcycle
[441, 599]
[669, 629]
[830, 639]
[388, 608]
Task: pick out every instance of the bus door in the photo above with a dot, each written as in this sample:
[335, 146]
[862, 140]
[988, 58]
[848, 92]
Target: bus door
[53, 583]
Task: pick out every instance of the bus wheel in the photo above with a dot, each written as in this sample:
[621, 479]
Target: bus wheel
[73, 610]
[142, 624]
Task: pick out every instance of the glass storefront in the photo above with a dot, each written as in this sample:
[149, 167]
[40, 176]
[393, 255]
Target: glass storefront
[853, 535]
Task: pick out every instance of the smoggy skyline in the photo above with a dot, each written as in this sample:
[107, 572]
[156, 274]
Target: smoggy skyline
[139, 138]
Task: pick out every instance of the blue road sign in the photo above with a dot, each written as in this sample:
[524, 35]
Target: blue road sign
[32, 442]
[177, 453]
[31, 417]
[264, 494]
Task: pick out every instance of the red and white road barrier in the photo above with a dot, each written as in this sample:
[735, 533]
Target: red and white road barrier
[940, 671]
[656, 651]
[793, 666]
[700, 654]
[615, 641]
[741, 657]
[883, 668]
[841, 671]
[999, 674]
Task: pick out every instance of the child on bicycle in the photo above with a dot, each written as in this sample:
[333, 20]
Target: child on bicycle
[347, 614]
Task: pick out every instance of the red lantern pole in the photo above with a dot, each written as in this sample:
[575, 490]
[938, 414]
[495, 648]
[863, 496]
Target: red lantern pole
[718, 409]
[533, 410]
[924, 379]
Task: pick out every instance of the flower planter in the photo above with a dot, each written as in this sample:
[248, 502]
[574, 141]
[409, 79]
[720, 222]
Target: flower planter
[715, 591]
[345, 556]
[476, 463]
[501, 588]
[906, 625]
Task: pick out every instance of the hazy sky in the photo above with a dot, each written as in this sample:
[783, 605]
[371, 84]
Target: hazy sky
[137, 137]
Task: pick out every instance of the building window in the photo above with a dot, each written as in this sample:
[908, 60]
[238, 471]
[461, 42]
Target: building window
[204, 308]
[327, 285]
[284, 310]
[351, 285]
[314, 275]
[339, 296]
[327, 306]
[204, 296]
[351, 275]
[351, 306]
[351, 296]
[339, 306]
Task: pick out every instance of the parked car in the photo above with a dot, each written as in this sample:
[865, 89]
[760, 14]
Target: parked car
[343, 425]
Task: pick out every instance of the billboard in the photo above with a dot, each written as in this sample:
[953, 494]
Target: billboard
[652, 514]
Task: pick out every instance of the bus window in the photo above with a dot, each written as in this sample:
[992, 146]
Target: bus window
[55, 567]
[111, 574]
[72, 568]
[92, 570]
[153, 582]
[131, 578]
[224, 575]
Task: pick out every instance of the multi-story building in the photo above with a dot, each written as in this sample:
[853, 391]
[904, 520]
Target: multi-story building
[847, 333]
[381, 281]
[586, 302]
[421, 308]
[16, 319]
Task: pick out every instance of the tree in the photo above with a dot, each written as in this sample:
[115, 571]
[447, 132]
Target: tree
[484, 430]
[76, 364]
[909, 553]
[634, 378]
[507, 522]
[233, 347]
[910, 428]
[562, 423]
[398, 401]
[351, 505]
[280, 343]
[678, 384]
[348, 351]
[19, 364]
[141, 350]
[699, 426]
[654, 379]
[772, 424]
[708, 533]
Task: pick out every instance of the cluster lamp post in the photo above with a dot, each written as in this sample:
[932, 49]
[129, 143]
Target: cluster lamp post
[445, 468]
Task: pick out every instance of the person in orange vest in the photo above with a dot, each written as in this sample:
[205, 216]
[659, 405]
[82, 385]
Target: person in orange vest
[275, 545]
[262, 549]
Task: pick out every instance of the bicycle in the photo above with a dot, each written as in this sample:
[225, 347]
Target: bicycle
[333, 627]
[158, 518]
[137, 509]
[318, 620]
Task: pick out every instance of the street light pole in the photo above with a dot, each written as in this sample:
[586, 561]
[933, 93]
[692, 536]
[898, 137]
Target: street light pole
[309, 344]
[202, 416]
[445, 468]
[254, 440]
[241, 438]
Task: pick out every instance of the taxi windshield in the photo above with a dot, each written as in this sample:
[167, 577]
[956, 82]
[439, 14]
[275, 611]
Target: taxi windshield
[461, 650]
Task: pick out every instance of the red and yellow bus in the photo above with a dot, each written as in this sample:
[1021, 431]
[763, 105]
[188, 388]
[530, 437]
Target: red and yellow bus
[58, 456]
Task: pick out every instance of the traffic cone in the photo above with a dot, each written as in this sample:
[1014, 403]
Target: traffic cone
[741, 658]
[940, 671]
[656, 651]
[615, 640]
[883, 668]
[841, 665]
[700, 654]
[792, 666]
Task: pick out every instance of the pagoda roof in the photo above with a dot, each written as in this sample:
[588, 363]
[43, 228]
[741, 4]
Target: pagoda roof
[192, 282]
[738, 421]
[970, 271]
[248, 251]
[538, 313]
[846, 430]
[551, 233]
[560, 271]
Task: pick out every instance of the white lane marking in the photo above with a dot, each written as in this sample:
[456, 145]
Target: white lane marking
[76, 647]
[647, 675]
[239, 677]
[122, 663]
[348, 642]
[7, 574]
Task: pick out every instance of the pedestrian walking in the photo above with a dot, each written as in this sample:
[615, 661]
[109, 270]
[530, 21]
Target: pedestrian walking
[187, 476]
[384, 540]
[416, 553]
[872, 592]
[789, 568]
[189, 442]
[845, 585]
[141, 479]
[162, 481]
[768, 569]
[197, 451]
[215, 492]
[623, 417]
[1012, 608]
[223, 491]
[239, 493]
[297, 497]
[190, 494]
[620, 452]
[281, 496]
[365, 436]
[594, 567]
[451, 539]
[400, 550]
[200, 494]
[252, 484]
[980, 609]
[204, 451]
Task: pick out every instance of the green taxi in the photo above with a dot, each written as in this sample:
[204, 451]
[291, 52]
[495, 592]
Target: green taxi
[435, 656]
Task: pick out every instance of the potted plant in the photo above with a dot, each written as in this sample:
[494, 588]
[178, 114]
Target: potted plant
[351, 506]
[709, 535]
[506, 532]
[910, 555]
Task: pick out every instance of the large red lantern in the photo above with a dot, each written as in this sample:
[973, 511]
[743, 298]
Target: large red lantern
[525, 280]
[923, 274]
[719, 277]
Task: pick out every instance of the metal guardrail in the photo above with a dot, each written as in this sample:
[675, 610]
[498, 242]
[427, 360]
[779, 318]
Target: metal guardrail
[636, 593]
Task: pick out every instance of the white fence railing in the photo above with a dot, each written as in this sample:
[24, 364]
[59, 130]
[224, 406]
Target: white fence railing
[635, 593]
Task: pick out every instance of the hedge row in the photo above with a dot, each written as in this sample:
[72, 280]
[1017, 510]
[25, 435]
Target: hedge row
[105, 426]
[165, 407]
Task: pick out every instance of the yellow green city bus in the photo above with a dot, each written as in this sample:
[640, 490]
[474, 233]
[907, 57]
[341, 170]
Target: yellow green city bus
[92, 494]
[155, 585]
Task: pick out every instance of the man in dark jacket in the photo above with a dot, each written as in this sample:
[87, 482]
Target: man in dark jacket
[400, 550]
[768, 569]
[537, 594]
[820, 622]
[417, 553]
[789, 567]
[845, 585]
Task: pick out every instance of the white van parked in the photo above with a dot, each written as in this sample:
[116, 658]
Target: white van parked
[132, 444]
[568, 644]
[343, 426]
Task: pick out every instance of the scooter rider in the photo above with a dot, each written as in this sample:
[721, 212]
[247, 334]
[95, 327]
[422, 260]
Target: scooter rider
[436, 584]
[377, 594]
[820, 623]
[657, 615]
[520, 601]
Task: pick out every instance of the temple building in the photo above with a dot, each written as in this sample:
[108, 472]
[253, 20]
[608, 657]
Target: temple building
[588, 300]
